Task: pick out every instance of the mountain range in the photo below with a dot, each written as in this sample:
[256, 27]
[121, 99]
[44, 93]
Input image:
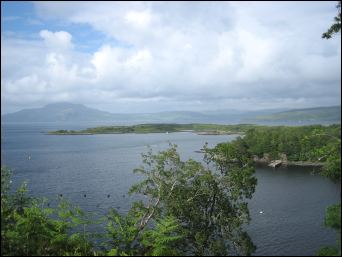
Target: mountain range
[69, 112]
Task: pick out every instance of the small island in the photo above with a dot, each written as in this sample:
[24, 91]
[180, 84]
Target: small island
[68, 132]
[200, 129]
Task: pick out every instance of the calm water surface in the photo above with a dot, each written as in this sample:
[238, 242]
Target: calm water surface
[293, 200]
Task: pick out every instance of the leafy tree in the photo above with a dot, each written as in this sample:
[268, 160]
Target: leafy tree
[189, 208]
[333, 217]
[332, 220]
[163, 239]
[306, 143]
[332, 168]
[209, 206]
[336, 26]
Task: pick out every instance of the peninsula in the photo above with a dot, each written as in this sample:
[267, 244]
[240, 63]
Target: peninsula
[202, 129]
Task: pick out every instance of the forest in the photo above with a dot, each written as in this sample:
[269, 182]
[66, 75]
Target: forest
[315, 143]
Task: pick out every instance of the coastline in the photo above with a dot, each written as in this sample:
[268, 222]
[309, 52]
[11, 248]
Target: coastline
[211, 133]
[291, 163]
[199, 129]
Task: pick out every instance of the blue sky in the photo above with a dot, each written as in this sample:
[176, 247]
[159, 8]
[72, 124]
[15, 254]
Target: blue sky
[19, 19]
[158, 56]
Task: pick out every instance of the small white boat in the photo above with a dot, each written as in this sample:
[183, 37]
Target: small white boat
[261, 212]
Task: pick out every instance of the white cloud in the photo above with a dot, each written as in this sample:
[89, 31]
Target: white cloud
[138, 19]
[57, 40]
[185, 55]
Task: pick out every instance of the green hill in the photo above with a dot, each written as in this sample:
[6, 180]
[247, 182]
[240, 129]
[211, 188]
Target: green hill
[318, 114]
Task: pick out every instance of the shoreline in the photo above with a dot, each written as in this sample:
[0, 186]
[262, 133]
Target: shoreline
[197, 128]
[292, 163]
[201, 133]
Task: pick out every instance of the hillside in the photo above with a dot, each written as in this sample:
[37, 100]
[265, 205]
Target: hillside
[319, 114]
[59, 112]
[68, 112]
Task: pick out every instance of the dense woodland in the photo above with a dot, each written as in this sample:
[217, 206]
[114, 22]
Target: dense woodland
[314, 143]
[190, 208]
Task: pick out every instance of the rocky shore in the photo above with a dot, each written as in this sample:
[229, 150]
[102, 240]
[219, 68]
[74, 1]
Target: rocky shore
[266, 160]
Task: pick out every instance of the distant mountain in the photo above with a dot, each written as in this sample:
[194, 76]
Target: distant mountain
[68, 112]
[318, 114]
[59, 112]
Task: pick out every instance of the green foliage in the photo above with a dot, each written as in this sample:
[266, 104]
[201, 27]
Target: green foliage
[336, 26]
[62, 131]
[160, 128]
[123, 231]
[306, 143]
[328, 251]
[332, 168]
[30, 228]
[188, 207]
[333, 217]
[163, 240]
[209, 205]
[332, 220]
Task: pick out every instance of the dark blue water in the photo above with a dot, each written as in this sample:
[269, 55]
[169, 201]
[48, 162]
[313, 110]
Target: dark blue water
[292, 200]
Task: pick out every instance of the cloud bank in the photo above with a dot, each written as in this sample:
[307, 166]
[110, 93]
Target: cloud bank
[159, 56]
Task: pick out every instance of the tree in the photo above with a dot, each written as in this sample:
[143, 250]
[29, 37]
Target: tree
[207, 204]
[189, 208]
[336, 26]
[332, 168]
[332, 220]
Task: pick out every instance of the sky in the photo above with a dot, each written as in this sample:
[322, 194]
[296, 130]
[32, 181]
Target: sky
[133, 57]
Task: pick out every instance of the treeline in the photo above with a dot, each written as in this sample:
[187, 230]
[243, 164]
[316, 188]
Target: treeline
[298, 143]
[315, 143]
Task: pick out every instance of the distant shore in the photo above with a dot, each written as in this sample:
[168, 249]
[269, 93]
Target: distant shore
[200, 129]
[211, 133]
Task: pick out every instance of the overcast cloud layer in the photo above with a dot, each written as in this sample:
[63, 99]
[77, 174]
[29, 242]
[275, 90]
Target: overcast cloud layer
[149, 57]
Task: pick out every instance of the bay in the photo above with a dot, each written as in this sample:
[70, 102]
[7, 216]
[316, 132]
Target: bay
[95, 172]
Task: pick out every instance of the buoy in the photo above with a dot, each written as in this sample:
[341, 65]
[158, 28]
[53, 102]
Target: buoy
[108, 195]
[85, 195]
